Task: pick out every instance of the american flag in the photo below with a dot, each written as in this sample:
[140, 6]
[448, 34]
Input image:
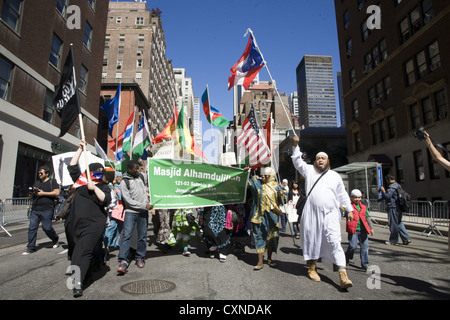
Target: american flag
[252, 139]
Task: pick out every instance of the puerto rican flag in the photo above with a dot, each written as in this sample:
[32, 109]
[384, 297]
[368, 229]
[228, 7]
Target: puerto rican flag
[248, 66]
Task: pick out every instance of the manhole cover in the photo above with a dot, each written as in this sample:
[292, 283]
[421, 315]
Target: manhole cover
[147, 286]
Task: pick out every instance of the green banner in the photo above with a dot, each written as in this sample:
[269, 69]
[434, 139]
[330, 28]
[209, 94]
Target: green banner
[175, 184]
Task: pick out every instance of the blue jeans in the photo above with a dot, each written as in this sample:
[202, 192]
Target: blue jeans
[112, 233]
[363, 239]
[396, 226]
[45, 218]
[141, 221]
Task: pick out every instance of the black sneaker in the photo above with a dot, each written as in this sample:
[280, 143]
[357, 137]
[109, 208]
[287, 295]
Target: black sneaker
[406, 242]
[123, 268]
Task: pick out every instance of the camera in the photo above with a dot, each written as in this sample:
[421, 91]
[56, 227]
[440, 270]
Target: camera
[33, 190]
[420, 134]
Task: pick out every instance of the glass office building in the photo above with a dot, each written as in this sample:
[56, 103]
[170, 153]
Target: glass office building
[316, 95]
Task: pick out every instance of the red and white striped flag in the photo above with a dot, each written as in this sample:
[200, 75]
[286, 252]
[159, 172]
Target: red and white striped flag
[252, 139]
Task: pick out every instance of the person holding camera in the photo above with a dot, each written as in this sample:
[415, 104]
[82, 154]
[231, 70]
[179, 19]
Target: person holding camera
[44, 192]
[437, 156]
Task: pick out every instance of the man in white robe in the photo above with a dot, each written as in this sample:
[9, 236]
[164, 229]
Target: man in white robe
[320, 222]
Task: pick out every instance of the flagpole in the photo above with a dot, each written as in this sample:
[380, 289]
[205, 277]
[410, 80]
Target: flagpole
[80, 119]
[268, 71]
[210, 120]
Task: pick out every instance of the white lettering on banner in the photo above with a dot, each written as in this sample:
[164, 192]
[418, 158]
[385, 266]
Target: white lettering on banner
[68, 91]
[192, 173]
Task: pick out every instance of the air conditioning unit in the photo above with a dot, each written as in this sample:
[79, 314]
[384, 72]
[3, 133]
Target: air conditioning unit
[435, 66]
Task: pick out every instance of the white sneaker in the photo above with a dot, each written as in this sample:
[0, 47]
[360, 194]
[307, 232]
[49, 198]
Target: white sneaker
[26, 253]
[56, 245]
[222, 257]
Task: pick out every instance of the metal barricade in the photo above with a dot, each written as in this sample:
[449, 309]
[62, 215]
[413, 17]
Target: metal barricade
[440, 217]
[14, 210]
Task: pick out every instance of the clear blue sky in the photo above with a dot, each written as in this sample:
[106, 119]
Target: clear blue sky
[206, 37]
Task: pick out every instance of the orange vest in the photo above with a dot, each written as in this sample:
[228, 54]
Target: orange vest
[357, 215]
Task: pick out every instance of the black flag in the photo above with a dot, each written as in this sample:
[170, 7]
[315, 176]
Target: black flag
[65, 100]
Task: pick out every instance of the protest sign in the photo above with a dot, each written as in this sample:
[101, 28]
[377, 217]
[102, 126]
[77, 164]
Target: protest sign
[183, 184]
[61, 162]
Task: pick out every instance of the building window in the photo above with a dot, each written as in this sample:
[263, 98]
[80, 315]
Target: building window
[416, 19]
[355, 110]
[418, 164]
[421, 61]
[391, 127]
[55, 51]
[49, 111]
[139, 20]
[387, 87]
[399, 169]
[434, 56]
[352, 78]
[357, 141]
[410, 72]
[141, 37]
[61, 6]
[121, 37]
[5, 77]
[105, 62]
[415, 116]
[440, 100]
[372, 98]
[118, 20]
[88, 36]
[349, 47]
[119, 63]
[139, 63]
[83, 79]
[138, 75]
[365, 32]
[382, 127]
[104, 75]
[374, 134]
[346, 19]
[118, 75]
[120, 50]
[140, 51]
[427, 111]
[11, 13]
[92, 3]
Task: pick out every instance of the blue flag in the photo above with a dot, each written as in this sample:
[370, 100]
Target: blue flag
[111, 109]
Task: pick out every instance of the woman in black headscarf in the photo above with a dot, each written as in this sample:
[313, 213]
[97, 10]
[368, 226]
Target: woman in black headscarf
[86, 221]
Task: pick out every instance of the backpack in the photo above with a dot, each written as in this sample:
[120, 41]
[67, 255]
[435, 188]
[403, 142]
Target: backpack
[403, 199]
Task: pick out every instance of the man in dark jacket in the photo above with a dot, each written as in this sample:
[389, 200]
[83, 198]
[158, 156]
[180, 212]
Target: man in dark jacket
[396, 226]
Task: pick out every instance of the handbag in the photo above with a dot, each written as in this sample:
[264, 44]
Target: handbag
[302, 199]
[118, 212]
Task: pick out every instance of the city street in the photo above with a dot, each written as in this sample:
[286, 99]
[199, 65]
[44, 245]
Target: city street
[414, 272]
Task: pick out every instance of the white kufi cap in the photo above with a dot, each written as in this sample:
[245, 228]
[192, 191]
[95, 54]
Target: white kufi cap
[267, 171]
[322, 154]
[356, 193]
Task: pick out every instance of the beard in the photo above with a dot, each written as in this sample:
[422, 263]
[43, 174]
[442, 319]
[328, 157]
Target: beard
[322, 169]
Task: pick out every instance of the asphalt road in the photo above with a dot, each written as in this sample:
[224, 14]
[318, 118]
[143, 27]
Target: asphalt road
[419, 271]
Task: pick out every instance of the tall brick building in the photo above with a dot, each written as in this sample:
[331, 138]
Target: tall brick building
[395, 80]
[34, 42]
